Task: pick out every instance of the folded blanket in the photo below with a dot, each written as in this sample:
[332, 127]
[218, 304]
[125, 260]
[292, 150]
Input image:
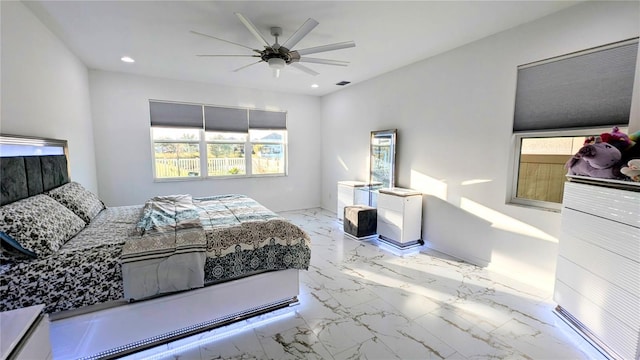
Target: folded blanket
[168, 213]
[168, 252]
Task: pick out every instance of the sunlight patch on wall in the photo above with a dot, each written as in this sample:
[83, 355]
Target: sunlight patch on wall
[273, 108]
[504, 222]
[428, 185]
[247, 105]
[475, 181]
[342, 163]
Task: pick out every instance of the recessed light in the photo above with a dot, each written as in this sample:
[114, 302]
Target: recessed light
[315, 85]
[127, 59]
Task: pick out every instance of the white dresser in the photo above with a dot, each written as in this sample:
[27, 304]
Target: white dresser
[400, 216]
[351, 193]
[597, 285]
[24, 334]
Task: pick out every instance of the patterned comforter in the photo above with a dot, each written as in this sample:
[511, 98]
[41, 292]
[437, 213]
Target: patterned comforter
[85, 271]
[242, 238]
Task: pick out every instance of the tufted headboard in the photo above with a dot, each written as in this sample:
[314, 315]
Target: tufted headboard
[25, 172]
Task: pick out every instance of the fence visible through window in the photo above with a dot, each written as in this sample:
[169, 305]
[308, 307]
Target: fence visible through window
[169, 168]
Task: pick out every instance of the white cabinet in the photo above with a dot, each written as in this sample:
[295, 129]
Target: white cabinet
[597, 285]
[400, 216]
[24, 334]
[351, 193]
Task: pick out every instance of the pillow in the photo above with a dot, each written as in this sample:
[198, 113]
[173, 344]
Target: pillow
[12, 246]
[76, 198]
[39, 223]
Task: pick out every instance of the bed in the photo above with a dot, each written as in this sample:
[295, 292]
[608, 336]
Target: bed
[63, 248]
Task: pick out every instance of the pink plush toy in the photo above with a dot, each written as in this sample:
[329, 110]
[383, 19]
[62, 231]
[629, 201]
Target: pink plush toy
[629, 145]
[617, 138]
[596, 159]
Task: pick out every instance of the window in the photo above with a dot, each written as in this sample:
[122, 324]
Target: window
[268, 151]
[540, 173]
[225, 153]
[560, 102]
[176, 152]
[197, 141]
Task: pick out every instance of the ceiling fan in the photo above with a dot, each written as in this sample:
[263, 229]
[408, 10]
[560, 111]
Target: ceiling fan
[279, 55]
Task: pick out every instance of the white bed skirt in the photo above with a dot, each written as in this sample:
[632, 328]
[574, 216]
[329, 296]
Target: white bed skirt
[116, 331]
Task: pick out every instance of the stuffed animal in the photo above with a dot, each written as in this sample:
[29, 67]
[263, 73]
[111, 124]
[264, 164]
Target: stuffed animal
[618, 139]
[596, 159]
[629, 146]
[632, 170]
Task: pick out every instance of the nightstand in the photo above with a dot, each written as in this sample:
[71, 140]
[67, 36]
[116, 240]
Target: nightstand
[400, 217]
[350, 193]
[24, 334]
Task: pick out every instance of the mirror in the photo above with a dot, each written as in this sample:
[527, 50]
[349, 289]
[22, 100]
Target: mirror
[382, 158]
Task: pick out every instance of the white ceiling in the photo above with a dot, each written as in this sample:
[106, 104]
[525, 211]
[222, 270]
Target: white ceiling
[388, 35]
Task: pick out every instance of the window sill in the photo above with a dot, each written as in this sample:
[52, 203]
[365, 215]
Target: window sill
[200, 178]
[556, 208]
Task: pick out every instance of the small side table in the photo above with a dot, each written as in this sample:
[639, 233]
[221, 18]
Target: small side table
[24, 334]
[348, 195]
[400, 217]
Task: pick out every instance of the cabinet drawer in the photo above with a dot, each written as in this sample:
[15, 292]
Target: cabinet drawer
[614, 204]
[611, 267]
[391, 202]
[390, 216]
[622, 304]
[613, 236]
[618, 336]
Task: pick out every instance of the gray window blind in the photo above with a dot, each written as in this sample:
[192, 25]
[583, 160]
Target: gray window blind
[225, 119]
[175, 115]
[590, 89]
[215, 118]
[272, 120]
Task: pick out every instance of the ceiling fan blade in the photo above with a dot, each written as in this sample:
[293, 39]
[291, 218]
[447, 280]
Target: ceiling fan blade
[252, 28]
[246, 66]
[304, 68]
[323, 48]
[213, 55]
[227, 41]
[324, 61]
[306, 28]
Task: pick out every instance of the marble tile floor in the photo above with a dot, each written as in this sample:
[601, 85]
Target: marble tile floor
[361, 301]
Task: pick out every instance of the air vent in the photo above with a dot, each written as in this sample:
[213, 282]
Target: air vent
[343, 83]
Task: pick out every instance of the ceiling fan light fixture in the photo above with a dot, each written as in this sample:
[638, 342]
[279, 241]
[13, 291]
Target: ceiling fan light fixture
[277, 63]
[278, 56]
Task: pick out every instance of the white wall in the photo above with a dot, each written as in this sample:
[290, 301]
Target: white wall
[454, 115]
[45, 89]
[120, 106]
